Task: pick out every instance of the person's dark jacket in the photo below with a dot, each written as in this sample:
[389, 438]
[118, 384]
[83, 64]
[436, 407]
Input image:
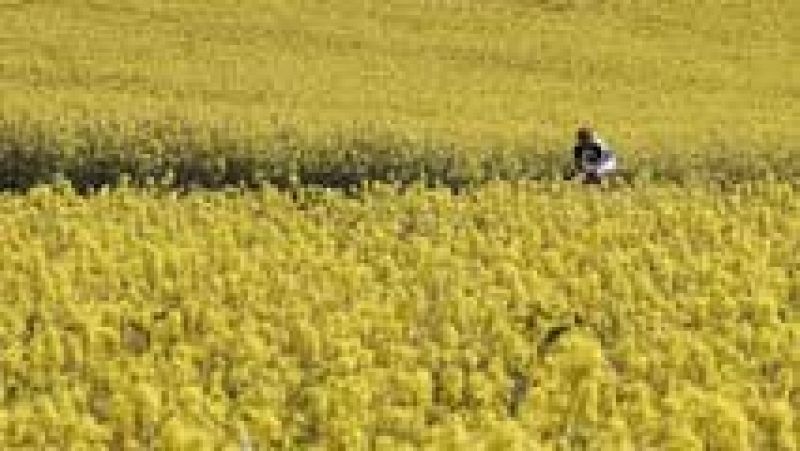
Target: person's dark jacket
[593, 153]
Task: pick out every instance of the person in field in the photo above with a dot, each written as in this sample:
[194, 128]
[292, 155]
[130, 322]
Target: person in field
[592, 157]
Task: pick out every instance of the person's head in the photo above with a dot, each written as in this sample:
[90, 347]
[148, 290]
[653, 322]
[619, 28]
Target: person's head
[585, 135]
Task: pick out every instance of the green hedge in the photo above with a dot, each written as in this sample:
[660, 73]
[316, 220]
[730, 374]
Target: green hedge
[185, 156]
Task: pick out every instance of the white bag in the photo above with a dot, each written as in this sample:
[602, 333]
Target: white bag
[602, 167]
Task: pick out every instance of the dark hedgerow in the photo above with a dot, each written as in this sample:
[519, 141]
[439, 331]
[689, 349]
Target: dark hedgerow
[184, 156]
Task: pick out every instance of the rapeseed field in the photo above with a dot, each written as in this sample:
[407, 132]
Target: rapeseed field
[181, 268]
[225, 91]
[521, 316]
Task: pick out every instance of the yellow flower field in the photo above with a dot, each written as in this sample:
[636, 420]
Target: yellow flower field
[520, 316]
[263, 224]
[643, 70]
[137, 85]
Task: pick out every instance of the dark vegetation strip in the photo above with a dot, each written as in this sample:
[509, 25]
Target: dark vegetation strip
[175, 155]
